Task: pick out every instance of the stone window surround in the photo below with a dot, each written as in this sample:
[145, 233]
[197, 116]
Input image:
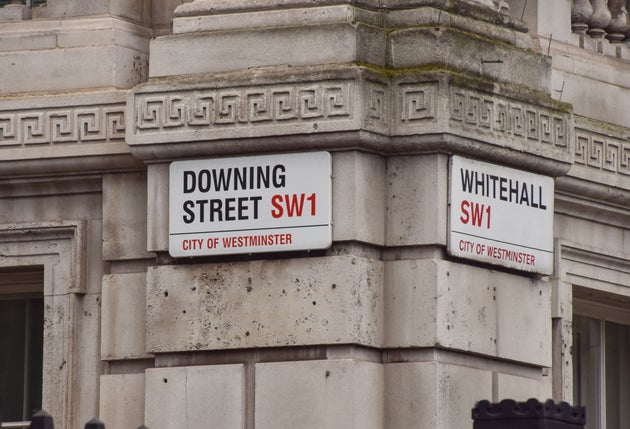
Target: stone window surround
[585, 276]
[60, 248]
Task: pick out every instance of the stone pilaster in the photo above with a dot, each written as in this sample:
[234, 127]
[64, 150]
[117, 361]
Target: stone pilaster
[388, 87]
[383, 77]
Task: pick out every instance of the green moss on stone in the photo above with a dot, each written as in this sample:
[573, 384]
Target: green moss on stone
[464, 79]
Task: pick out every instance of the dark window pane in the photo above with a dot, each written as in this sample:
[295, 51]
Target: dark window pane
[12, 334]
[21, 357]
[35, 359]
[617, 375]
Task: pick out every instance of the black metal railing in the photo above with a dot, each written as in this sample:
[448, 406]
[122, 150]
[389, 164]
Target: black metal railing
[533, 414]
[43, 420]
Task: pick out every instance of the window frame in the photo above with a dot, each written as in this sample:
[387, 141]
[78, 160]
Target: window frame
[23, 283]
[60, 247]
[602, 312]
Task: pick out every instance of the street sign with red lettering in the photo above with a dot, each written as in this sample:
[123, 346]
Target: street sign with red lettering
[501, 216]
[251, 204]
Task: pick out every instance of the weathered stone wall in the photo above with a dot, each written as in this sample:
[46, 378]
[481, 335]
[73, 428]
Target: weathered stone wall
[382, 330]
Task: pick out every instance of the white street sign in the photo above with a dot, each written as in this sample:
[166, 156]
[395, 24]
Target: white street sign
[251, 204]
[501, 216]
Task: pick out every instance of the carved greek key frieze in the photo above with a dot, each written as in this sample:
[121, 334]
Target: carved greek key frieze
[377, 106]
[418, 102]
[602, 152]
[62, 126]
[234, 107]
[486, 112]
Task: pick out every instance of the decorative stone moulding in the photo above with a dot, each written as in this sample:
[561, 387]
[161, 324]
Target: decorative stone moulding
[258, 82]
[337, 107]
[528, 415]
[47, 134]
[601, 163]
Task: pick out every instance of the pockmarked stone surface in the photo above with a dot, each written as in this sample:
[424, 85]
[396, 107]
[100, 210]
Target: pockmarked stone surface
[328, 300]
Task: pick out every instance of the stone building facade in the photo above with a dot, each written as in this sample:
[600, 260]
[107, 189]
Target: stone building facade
[389, 326]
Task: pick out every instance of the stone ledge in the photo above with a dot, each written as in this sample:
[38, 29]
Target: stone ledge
[344, 107]
[479, 9]
[601, 166]
[56, 133]
[421, 16]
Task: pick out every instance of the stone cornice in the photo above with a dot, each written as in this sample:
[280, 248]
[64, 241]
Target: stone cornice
[329, 107]
[406, 112]
[56, 133]
[601, 163]
[479, 9]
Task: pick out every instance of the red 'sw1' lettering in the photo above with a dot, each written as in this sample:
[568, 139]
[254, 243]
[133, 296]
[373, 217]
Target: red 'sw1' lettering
[475, 212]
[292, 205]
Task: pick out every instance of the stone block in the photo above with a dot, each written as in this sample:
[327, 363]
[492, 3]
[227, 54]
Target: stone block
[433, 395]
[522, 388]
[123, 320]
[77, 55]
[279, 17]
[27, 42]
[195, 397]
[121, 403]
[134, 10]
[524, 302]
[331, 394]
[422, 16]
[157, 207]
[462, 307]
[372, 44]
[132, 67]
[162, 14]
[221, 51]
[550, 18]
[411, 303]
[417, 200]
[125, 216]
[94, 257]
[466, 53]
[99, 36]
[326, 300]
[86, 342]
[587, 75]
[358, 197]
[15, 12]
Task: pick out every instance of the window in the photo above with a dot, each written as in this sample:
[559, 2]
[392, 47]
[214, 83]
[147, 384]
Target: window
[601, 365]
[21, 337]
[34, 3]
